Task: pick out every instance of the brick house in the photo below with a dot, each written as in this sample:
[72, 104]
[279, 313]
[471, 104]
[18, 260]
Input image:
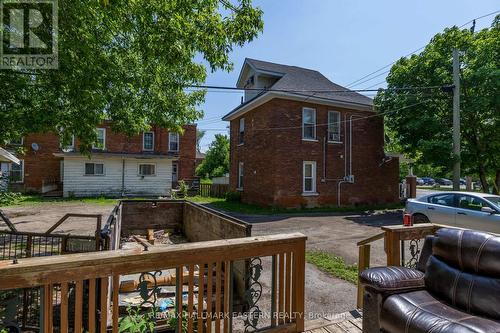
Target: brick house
[147, 164]
[291, 147]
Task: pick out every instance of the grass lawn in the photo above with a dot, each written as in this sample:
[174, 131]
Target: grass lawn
[29, 200]
[333, 265]
[243, 208]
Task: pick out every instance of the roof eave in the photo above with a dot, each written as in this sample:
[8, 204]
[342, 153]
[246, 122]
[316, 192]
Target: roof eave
[244, 108]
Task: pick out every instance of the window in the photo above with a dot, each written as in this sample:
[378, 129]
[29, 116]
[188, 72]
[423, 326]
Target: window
[69, 147]
[101, 139]
[94, 169]
[333, 126]
[17, 172]
[470, 202]
[240, 175]
[309, 177]
[148, 139]
[17, 142]
[308, 124]
[147, 169]
[173, 141]
[443, 199]
[242, 131]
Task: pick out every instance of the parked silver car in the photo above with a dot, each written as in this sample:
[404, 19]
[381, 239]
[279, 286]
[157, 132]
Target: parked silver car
[479, 211]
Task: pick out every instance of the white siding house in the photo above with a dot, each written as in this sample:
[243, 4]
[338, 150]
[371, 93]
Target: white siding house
[116, 176]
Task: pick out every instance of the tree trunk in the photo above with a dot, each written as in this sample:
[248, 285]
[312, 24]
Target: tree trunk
[482, 177]
[496, 185]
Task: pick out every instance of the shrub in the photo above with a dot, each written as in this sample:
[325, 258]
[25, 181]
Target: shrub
[183, 189]
[9, 198]
[233, 196]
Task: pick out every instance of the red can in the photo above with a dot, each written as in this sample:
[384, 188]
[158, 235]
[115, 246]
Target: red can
[407, 220]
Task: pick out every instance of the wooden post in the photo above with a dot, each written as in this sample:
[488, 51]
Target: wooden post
[29, 245]
[299, 265]
[392, 248]
[363, 263]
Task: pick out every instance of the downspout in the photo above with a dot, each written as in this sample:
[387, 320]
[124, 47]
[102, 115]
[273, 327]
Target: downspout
[123, 177]
[345, 162]
[324, 160]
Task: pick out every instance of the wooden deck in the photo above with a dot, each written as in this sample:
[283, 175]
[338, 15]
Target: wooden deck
[345, 322]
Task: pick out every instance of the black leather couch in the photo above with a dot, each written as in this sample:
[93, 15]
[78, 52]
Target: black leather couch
[455, 288]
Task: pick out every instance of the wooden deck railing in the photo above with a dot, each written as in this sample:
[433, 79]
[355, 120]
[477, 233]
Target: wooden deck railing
[402, 246]
[89, 277]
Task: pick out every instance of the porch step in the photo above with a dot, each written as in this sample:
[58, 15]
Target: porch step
[341, 323]
[53, 194]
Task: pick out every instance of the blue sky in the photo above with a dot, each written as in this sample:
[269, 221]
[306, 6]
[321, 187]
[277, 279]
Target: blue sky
[343, 39]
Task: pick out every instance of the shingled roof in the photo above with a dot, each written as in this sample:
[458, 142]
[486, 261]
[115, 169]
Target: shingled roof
[297, 79]
[298, 83]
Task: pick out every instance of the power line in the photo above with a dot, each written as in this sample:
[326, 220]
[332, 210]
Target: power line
[356, 82]
[325, 124]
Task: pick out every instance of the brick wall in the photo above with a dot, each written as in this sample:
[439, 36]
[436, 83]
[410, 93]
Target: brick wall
[273, 159]
[43, 165]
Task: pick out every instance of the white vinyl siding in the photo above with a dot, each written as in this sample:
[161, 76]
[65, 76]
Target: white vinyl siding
[101, 139]
[309, 177]
[240, 175]
[333, 126]
[75, 183]
[308, 124]
[148, 141]
[173, 141]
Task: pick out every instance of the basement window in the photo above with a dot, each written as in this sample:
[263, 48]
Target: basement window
[308, 124]
[309, 177]
[147, 170]
[94, 169]
[333, 126]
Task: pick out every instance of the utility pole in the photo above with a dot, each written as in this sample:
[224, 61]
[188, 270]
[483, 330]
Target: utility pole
[456, 120]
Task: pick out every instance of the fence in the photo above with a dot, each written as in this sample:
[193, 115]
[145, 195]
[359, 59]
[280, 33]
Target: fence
[74, 288]
[213, 190]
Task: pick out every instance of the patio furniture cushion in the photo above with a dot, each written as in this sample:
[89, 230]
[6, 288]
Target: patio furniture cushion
[419, 311]
[387, 279]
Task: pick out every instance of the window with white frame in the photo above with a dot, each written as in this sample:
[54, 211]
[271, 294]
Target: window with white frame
[101, 139]
[148, 140]
[69, 147]
[173, 141]
[240, 175]
[333, 126]
[308, 124]
[241, 133]
[309, 177]
[147, 169]
[17, 172]
[94, 169]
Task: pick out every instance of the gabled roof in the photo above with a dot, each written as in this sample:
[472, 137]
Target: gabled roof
[6, 156]
[298, 81]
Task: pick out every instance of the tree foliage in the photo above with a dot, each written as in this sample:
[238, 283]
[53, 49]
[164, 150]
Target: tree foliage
[216, 162]
[128, 61]
[424, 132]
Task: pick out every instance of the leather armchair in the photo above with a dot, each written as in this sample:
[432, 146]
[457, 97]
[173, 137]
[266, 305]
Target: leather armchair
[455, 288]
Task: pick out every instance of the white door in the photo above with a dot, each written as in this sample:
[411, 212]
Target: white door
[441, 209]
[470, 216]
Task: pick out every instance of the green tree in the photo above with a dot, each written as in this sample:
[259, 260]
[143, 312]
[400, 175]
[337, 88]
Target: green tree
[424, 132]
[128, 62]
[216, 162]
[199, 135]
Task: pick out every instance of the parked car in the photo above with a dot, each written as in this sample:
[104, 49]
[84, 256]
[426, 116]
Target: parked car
[463, 181]
[444, 181]
[428, 181]
[471, 210]
[420, 181]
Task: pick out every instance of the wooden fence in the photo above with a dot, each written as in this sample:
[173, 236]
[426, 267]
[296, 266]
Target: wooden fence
[213, 190]
[205, 294]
